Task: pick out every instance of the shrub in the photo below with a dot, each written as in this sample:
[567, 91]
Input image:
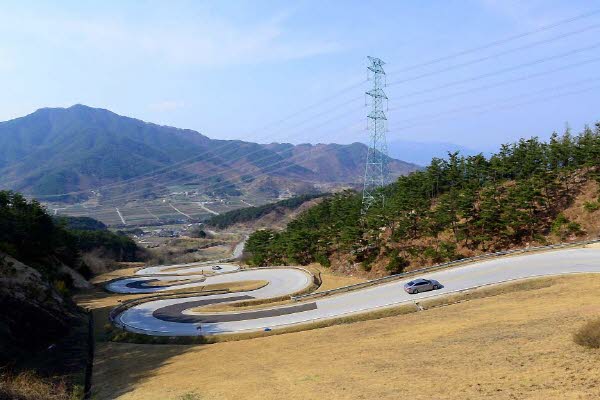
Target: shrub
[190, 396]
[323, 260]
[198, 233]
[589, 335]
[432, 254]
[574, 228]
[397, 263]
[368, 260]
[591, 206]
[28, 386]
[563, 227]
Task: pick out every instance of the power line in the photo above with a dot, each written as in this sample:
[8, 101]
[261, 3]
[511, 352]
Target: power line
[502, 53]
[479, 60]
[499, 42]
[173, 168]
[213, 153]
[240, 175]
[265, 170]
[513, 105]
[501, 83]
[269, 169]
[428, 117]
[504, 70]
[496, 73]
[352, 86]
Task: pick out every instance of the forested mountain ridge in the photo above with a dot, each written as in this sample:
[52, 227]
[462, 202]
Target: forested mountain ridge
[530, 192]
[78, 149]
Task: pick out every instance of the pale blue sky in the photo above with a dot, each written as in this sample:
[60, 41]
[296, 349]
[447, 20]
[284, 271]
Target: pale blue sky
[230, 68]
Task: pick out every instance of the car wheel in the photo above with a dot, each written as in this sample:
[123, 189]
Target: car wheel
[416, 291]
[436, 287]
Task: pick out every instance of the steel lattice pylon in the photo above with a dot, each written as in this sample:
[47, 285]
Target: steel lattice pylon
[375, 169]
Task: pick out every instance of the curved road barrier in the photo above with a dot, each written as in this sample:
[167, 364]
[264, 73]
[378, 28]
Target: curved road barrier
[437, 267]
[180, 316]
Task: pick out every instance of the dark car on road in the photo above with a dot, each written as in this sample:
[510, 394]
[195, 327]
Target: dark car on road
[421, 285]
[216, 268]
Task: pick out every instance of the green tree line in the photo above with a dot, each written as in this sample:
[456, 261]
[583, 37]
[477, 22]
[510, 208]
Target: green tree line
[252, 213]
[455, 206]
[29, 234]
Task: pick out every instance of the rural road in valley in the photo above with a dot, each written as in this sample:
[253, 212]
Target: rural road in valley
[174, 317]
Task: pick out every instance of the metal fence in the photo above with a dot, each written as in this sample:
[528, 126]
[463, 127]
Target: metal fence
[437, 267]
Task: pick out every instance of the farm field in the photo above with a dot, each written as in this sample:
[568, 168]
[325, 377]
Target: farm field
[177, 209]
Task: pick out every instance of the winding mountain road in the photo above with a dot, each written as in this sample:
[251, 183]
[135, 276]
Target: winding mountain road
[179, 317]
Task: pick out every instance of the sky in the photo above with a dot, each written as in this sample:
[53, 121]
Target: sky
[476, 73]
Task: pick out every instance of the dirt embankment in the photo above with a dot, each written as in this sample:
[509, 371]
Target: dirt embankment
[38, 325]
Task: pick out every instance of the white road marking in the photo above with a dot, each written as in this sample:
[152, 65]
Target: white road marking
[202, 206]
[248, 204]
[180, 212]
[121, 216]
[152, 214]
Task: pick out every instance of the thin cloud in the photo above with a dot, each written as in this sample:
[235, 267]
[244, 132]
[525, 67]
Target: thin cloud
[531, 14]
[209, 42]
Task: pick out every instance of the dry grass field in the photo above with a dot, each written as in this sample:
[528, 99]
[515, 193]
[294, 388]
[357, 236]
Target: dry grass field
[515, 345]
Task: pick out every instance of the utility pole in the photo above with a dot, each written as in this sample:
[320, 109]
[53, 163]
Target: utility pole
[375, 169]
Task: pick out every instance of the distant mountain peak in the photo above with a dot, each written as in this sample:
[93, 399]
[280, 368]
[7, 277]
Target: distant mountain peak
[81, 148]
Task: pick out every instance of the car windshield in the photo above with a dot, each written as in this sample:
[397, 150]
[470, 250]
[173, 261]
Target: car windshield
[411, 283]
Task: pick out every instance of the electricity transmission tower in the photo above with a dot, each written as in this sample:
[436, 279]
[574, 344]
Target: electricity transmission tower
[375, 169]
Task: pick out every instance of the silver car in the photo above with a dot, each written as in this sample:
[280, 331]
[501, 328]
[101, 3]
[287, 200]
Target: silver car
[421, 285]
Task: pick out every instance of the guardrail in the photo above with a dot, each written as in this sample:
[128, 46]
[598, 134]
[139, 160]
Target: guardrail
[436, 267]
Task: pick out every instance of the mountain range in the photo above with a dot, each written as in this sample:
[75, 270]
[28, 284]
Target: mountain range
[76, 152]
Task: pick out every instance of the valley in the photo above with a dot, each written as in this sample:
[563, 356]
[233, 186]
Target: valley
[144, 169]
[299, 200]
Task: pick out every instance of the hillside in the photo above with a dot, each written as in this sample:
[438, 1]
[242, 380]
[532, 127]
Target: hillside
[335, 162]
[515, 344]
[528, 193]
[42, 262]
[271, 215]
[79, 149]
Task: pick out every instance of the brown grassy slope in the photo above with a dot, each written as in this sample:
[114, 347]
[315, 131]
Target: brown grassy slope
[515, 345]
[589, 221]
[28, 386]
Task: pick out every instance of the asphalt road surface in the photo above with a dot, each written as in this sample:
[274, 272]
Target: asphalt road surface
[195, 268]
[173, 317]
